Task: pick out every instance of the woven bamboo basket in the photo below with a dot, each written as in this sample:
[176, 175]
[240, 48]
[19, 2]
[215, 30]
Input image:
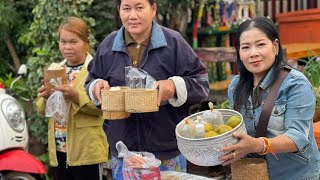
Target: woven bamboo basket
[112, 104]
[115, 115]
[141, 100]
[113, 100]
[249, 169]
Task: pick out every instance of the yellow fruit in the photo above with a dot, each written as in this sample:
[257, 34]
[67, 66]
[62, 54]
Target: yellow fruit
[223, 129]
[208, 127]
[233, 121]
[211, 134]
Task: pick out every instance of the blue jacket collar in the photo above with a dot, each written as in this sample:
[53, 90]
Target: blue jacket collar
[267, 80]
[157, 38]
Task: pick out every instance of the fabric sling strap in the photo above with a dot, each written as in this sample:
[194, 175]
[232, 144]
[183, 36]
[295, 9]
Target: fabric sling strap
[268, 105]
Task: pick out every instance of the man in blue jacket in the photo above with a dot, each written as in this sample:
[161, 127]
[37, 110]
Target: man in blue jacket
[163, 53]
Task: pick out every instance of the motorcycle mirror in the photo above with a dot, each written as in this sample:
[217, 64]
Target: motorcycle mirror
[22, 70]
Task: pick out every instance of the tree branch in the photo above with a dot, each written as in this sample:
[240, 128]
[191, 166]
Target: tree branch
[13, 54]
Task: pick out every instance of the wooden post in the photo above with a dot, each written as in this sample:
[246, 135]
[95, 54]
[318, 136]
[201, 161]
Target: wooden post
[296, 7]
[311, 4]
[289, 5]
[281, 6]
[265, 8]
[274, 10]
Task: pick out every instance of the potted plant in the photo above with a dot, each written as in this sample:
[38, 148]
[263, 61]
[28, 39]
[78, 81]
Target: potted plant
[312, 72]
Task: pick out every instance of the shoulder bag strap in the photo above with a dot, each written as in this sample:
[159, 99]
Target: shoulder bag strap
[268, 105]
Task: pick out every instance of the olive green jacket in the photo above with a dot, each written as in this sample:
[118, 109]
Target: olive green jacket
[86, 140]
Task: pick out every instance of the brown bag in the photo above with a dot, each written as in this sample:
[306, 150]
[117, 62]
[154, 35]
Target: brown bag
[49, 74]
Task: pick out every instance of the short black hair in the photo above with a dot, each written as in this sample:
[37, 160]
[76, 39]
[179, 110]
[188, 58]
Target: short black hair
[118, 2]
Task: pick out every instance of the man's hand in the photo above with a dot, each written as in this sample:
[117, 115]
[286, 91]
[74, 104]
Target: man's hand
[167, 90]
[102, 84]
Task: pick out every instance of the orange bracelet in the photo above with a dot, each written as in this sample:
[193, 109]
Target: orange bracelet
[267, 149]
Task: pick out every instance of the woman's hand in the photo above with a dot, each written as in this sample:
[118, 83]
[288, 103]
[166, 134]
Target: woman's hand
[42, 92]
[102, 84]
[167, 90]
[246, 145]
[69, 93]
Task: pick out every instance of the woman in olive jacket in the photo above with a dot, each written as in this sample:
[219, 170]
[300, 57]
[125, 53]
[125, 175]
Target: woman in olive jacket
[76, 149]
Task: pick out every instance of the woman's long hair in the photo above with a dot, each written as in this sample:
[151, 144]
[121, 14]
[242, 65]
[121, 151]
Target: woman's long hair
[245, 85]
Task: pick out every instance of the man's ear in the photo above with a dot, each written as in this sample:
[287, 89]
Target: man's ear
[154, 7]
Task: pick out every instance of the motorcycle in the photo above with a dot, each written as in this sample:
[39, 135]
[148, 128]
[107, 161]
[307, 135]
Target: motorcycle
[15, 161]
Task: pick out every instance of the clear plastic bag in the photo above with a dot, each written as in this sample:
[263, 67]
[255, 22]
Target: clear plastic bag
[138, 78]
[212, 116]
[56, 106]
[187, 128]
[138, 165]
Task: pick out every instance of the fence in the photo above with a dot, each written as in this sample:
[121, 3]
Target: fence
[272, 7]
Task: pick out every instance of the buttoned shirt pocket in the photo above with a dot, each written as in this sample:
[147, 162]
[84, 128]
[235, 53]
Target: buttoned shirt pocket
[276, 121]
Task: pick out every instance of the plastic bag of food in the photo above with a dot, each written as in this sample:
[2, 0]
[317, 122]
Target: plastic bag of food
[56, 105]
[188, 128]
[138, 165]
[138, 78]
[213, 116]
